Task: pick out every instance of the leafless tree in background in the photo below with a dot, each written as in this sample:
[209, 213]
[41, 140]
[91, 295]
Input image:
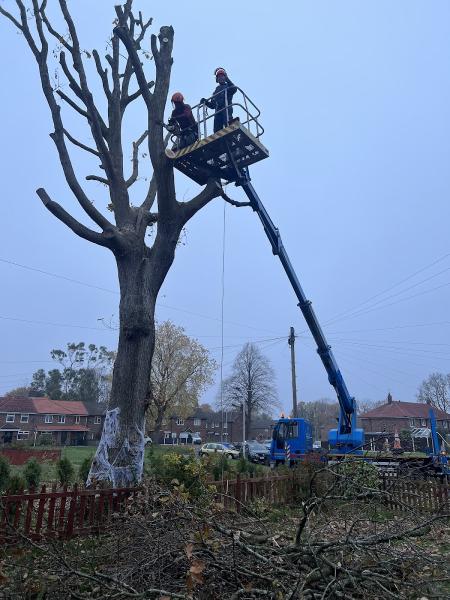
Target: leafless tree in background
[251, 384]
[435, 390]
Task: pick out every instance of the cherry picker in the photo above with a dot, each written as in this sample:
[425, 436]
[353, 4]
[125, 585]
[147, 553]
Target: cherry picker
[226, 155]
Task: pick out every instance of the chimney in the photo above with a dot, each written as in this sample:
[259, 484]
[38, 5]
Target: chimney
[389, 398]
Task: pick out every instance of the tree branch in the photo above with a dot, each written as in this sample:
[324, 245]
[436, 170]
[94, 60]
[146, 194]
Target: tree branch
[97, 178]
[135, 160]
[102, 73]
[212, 190]
[75, 142]
[102, 239]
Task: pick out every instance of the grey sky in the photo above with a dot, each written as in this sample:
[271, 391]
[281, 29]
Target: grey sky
[355, 101]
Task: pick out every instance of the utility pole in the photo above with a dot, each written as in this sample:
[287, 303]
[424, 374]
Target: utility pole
[291, 342]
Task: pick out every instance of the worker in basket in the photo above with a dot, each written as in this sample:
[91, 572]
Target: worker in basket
[182, 123]
[221, 99]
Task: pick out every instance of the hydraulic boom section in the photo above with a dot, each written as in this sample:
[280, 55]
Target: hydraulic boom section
[346, 438]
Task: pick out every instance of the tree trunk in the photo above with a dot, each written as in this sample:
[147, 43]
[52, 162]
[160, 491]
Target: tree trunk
[158, 424]
[120, 454]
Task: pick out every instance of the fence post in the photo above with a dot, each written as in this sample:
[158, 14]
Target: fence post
[71, 512]
[238, 493]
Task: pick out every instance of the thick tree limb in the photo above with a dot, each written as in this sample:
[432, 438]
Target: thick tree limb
[129, 99]
[102, 239]
[212, 190]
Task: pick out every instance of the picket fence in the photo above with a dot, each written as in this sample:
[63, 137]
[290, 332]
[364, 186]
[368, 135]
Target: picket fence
[420, 495]
[236, 493]
[69, 512]
[52, 513]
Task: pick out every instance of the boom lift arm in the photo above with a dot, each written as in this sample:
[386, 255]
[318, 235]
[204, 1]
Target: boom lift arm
[347, 437]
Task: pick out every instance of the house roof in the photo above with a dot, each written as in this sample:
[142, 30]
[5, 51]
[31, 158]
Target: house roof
[11, 405]
[59, 407]
[402, 410]
[46, 406]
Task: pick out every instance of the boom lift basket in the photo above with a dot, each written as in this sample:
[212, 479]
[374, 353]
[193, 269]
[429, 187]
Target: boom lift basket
[224, 153]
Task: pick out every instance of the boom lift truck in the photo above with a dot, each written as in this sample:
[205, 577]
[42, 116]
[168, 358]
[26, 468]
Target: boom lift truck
[226, 155]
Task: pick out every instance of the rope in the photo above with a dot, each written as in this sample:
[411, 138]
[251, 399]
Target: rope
[222, 314]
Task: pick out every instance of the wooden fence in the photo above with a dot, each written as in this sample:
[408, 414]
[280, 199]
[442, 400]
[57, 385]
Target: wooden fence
[62, 514]
[52, 513]
[236, 493]
[410, 494]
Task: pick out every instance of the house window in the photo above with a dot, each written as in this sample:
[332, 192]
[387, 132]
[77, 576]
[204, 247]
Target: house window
[97, 420]
[61, 418]
[23, 435]
[180, 421]
[216, 424]
[167, 435]
[445, 424]
[77, 419]
[197, 422]
[225, 425]
[24, 418]
[10, 418]
[411, 422]
[423, 422]
[48, 419]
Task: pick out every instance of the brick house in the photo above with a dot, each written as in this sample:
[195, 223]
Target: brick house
[68, 422]
[402, 415]
[208, 425]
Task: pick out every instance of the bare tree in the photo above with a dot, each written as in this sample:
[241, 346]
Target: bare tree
[251, 384]
[181, 369]
[435, 390]
[141, 269]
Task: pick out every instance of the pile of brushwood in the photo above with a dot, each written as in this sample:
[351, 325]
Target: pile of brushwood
[343, 543]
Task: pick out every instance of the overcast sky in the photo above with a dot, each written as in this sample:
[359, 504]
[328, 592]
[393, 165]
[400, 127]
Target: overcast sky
[355, 101]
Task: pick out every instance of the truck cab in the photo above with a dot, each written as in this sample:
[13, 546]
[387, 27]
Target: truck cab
[291, 441]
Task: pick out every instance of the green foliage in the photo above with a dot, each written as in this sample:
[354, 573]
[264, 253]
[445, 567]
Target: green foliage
[32, 473]
[45, 439]
[84, 468]
[65, 471]
[356, 477]
[182, 471]
[84, 374]
[16, 484]
[4, 472]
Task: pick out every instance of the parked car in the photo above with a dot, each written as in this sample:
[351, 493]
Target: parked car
[257, 452]
[196, 439]
[317, 445]
[208, 449]
[267, 443]
[148, 441]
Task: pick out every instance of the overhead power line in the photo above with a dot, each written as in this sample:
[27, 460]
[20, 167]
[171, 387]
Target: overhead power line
[115, 292]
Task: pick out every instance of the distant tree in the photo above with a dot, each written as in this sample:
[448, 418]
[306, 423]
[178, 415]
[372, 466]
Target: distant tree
[54, 384]
[37, 385]
[252, 384]
[322, 414]
[18, 392]
[181, 369]
[435, 390]
[366, 405]
[85, 374]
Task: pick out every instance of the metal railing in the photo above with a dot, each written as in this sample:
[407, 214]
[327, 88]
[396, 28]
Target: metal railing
[243, 108]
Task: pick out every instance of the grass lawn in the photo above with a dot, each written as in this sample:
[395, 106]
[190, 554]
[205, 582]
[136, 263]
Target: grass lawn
[77, 454]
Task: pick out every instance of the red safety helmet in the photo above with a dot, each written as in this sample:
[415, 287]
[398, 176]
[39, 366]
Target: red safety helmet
[220, 71]
[178, 97]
